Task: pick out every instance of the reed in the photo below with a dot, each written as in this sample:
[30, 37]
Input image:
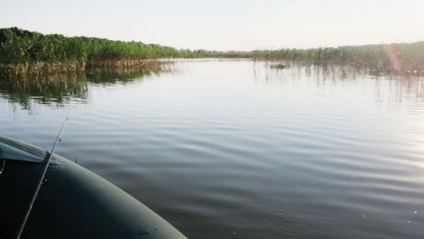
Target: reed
[399, 58]
[61, 88]
[25, 52]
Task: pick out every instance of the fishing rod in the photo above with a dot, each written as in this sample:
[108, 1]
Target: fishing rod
[40, 182]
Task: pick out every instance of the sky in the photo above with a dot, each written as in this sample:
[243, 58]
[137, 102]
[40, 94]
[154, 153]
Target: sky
[224, 24]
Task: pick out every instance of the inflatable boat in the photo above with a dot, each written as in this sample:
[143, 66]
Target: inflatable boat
[72, 202]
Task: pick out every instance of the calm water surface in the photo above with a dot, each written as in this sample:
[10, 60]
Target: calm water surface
[235, 149]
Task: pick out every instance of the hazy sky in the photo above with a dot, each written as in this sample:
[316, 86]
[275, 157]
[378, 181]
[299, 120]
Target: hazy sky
[224, 24]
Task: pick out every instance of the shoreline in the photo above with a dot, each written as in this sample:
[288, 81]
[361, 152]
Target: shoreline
[75, 67]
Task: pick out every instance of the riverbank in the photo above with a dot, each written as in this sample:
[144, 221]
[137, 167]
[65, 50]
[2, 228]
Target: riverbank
[31, 53]
[78, 68]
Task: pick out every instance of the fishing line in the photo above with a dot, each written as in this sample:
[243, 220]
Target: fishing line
[40, 182]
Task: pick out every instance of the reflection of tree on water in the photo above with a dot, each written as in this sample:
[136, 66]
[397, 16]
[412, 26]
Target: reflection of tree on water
[390, 88]
[126, 74]
[295, 71]
[54, 89]
[62, 89]
[400, 90]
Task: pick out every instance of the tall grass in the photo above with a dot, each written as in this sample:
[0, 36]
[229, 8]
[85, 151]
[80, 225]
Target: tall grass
[23, 51]
[401, 58]
[59, 89]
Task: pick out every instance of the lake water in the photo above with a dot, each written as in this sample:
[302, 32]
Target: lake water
[236, 149]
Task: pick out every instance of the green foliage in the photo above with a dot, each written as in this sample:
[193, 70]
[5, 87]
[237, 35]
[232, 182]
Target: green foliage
[22, 47]
[402, 57]
[28, 50]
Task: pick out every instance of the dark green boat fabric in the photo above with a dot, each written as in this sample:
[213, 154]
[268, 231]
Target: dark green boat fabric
[73, 203]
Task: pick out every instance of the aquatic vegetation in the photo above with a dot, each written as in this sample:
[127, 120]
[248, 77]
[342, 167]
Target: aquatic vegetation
[280, 66]
[399, 58]
[62, 88]
[53, 89]
[24, 52]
